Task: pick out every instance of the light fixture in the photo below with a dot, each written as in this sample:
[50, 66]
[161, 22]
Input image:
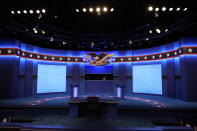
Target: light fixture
[91, 9]
[112, 9]
[105, 9]
[130, 42]
[24, 11]
[185, 9]
[38, 11]
[84, 9]
[147, 39]
[150, 31]
[34, 28]
[35, 31]
[43, 11]
[12, 12]
[166, 30]
[51, 39]
[98, 9]
[31, 11]
[77, 10]
[19, 12]
[43, 32]
[178, 9]
[170, 9]
[64, 43]
[163, 9]
[150, 8]
[157, 9]
[158, 31]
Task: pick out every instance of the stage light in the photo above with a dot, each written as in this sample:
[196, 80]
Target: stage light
[147, 39]
[158, 31]
[130, 42]
[105, 9]
[24, 11]
[51, 39]
[178, 9]
[37, 11]
[31, 11]
[26, 30]
[12, 12]
[170, 9]
[150, 31]
[19, 12]
[43, 11]
[112, 9]
[35, 31]
[157, 9]
[77, 10]
[150, 8]
[64, 43]
[34, 28]
[43, 32]
[98, 9]
[84, 9]
[166, 30]
[91, 9]
[163, 8]
[185, 9]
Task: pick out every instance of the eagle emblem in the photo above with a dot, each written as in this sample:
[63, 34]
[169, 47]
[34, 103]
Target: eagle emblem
[99, 60]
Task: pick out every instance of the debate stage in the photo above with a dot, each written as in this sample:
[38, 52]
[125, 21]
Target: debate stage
[135, 101]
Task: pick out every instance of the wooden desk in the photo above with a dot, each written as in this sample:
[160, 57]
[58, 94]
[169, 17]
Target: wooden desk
[76, 106]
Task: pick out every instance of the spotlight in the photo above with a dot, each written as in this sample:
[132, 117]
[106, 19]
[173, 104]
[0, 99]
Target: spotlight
[31, 11]
[37, 11]
[91, 9]
[43, 32]
[150, 31]
[166, 30]
[51, 39]
[150, 8]
[64, 43]
[12, 12]
[157, 9]
[34, 28]
[84, 9]
[163, 8]
[19, 12]
[170, 9]
[35, 31]
[130, 42]
[24, 11]
[147, 39]
[178, 9]
[98, 9]
[158, 31]
[43, 11]
[26, 30]
[105, 9]
[185, 9]
[112, 9]
[77, 10]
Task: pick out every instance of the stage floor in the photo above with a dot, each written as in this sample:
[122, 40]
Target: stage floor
[135, 101]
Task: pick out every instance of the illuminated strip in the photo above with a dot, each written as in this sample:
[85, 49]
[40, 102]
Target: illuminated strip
[187, 50]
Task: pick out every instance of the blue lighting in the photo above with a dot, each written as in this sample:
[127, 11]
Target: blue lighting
[51, 78]
[147, 79]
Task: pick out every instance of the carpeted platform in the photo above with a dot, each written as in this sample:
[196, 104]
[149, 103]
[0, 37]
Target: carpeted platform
[132, 101]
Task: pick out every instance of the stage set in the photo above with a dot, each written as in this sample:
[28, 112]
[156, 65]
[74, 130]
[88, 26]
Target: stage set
[160, 78]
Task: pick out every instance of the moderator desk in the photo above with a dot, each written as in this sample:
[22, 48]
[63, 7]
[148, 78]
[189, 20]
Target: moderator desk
[78, 106]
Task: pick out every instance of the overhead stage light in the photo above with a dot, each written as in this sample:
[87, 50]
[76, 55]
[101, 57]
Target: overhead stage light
[91, 9]
[112, 9]
[150, 31]
[105, 9]
[163, 8]
[185, 9]
[43, 32]
[170, 9]
[178, 9]
[98, 9]
[158, 31]
[150, 8]
[31, 11]
[166, 30]
[37, 11]
[35, 31]
[157, 9]
[77, 10]
[19, 12]
[12, 12]
[24, 11]
[43, 11]
[84, 9]
[64, 43]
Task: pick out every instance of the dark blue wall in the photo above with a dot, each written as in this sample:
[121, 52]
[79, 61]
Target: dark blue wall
[18, 77]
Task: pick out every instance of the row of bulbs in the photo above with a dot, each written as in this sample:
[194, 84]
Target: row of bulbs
[98, 9]
[30, 11]
[158, 31]
[150, 8]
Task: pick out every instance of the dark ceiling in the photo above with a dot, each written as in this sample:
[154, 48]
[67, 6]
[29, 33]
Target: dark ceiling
[127, 27]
